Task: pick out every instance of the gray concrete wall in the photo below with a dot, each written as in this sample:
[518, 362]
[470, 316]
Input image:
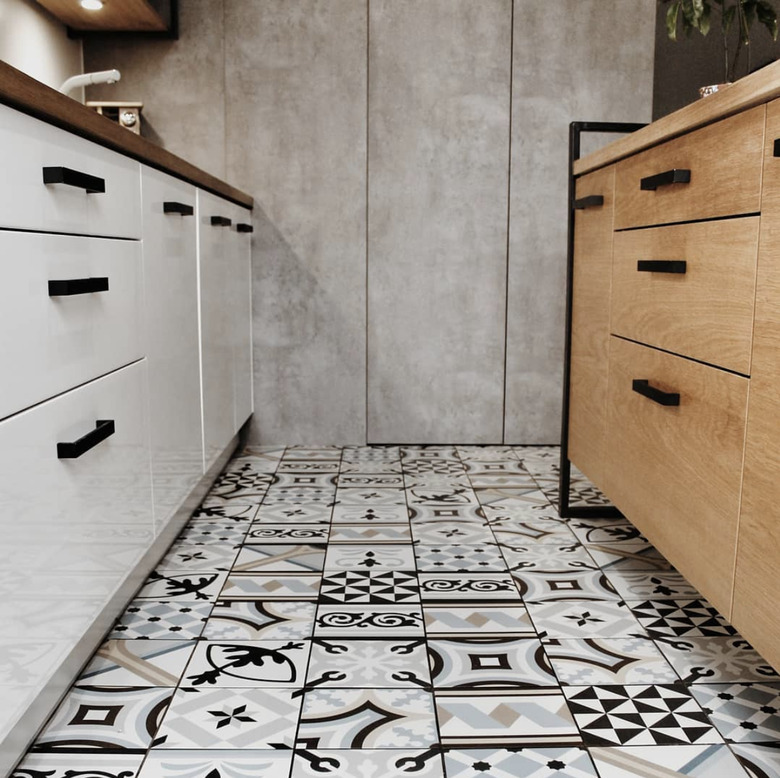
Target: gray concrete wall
[375, 137]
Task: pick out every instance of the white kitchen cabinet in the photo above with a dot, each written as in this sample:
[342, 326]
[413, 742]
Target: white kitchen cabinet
[241, 308]
[173, 352]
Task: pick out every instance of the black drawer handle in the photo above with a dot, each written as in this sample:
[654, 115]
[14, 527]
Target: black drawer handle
[641, 386]
[674, 176]
[591, 201]
[103, 429]
[64, 175]
[662, 266]
[220, 221]
[77, 286]
[776, 148]
[174, 207]
[244, 228]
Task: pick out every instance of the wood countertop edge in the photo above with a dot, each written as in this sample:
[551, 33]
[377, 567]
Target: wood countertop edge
[750, 91]
[20, 91]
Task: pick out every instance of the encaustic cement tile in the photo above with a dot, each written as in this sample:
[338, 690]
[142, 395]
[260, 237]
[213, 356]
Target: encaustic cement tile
[239, 514]
[715, 761]
[363, 534]
[482, 620]
[459, 558]
[367, 718]
[287, 533]
[293, 514]
[656, 584]
[382, 621]
[364, 557]
[161, 620]
[182, 587]
[231, 763]
[190, 556]
[105, 765]
[258, 620]
[678, 618]
[387, 763]
[369, 586]
[271, 586]
[370, 514]
[277, 558]
[137, 663]
[526, 762]
[471, 587]
[759, 760]
[551, 585]
[437, 532]
[742, 713]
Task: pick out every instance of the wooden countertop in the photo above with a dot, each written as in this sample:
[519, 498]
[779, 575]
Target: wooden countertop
[19, 91]
[755, 89]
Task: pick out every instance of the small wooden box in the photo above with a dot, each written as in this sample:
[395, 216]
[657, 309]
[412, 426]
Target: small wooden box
[126, 114]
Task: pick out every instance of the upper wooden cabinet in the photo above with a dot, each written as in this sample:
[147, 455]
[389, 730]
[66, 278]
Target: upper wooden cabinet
[122, 16]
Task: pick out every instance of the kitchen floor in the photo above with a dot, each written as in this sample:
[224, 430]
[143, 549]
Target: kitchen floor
[418, 611]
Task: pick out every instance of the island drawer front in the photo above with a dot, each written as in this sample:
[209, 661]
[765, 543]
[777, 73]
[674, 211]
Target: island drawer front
[675, 470]
[60, 326]
[689, 289]
[28, 146]
[723, 160]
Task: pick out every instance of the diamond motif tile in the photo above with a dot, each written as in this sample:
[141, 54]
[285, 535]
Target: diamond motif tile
[526, 762]
[271, 586]
[369, 586]
[576, 619]
[677, 618]
[258, 620]
[556, 585]
[483, 620]
[161, 620]
[742, 713]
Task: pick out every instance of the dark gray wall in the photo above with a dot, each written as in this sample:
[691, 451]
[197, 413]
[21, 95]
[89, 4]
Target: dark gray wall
[408, 162]
[682, 66]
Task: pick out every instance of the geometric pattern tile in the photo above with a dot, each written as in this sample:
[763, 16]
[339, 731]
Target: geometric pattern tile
[231, 763]
[358, 762]
[258, 620]
[651, 585]
[677, 618]
[459, 558]
[526, 762]
[743, 713]
[550, 586]
[714, 761]
[63, 765]
[435, 532]
[191, 556]
[271, 586]
[161, 620]
[276, 558]
[382, 621]
[628, 555]
[369, 586]
[575, 619]
[287, 533]
[371, 514]
[293, 513]
[472, 587]
[664, 714]
[462, 620]
[760, 760]
[377, 533]
[137, 663]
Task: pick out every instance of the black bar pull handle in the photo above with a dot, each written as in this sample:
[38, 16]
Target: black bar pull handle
[591, 201]
[73, 286]
[662, 266]
[181, 208]
[673, 176]
[220, 221]
[103, 429]
[64, 175]
[244, 228]
[642, 386]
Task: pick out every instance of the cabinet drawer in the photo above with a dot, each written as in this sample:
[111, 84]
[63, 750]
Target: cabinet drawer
[676, 470]
[27, 146]
[110, 484]
[724, 161]
[697, 296]
[53, 343]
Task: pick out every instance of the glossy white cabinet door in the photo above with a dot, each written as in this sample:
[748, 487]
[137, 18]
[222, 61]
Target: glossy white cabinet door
[28, 145]
[49, 344]
[216, 323]
[241, 307]
[171, 296]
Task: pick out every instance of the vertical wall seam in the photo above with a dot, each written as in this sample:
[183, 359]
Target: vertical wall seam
[368, 90]
[508, 216]
[224, 93]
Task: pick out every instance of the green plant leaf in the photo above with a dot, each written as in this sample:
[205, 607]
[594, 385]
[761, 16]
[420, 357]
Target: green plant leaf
[728, 18]
[704, 20]
[671, 20]
[767, 16]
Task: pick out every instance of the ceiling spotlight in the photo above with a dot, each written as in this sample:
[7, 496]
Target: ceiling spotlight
[92, 5]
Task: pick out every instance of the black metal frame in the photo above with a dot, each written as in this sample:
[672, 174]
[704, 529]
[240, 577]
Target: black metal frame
[565, 510]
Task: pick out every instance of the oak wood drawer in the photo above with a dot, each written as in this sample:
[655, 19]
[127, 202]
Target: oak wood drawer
[724, 160]
[28, 145]
[689, 289]
[676, 470]
[53, 343]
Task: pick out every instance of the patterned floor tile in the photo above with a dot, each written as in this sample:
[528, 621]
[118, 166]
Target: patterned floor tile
[294, 496]
[272, 586]
[239, 514]
[387, 763]
[487, 453]
[608, 661]
[206, 718]
[534, 718]
[388, 621]
[137, 663]
[370, 534]
[293, 513]
[370, 480]
[526, 762]
[436, 532]
[369, 496]
[716, 660]
[104, 765]
[431, 465]
[551, 585]
[368, 557]
[714, 761]
[315, 453]
[491, 480]
[370, 587]
[241, 485]
[548, 556]
[258, 620]
[283, 479]
[526, 500]
[627, 555]
[459, 558]
[664, 714]
[610, 530]
[471, 514]
[742, 713]
[99, 720]
[658, 584]
[574, 619]
[442, 495]
[519, 533]
[367, 718]
[371, 467]
[287, 533]
[266, 664]
[677, 618]
[304, 466]
[760, 760]
[471, 587]
[217, 531]
[189, 556]
[232, 763]
[161, 620]
[483, 620]
[368, 663]
[277, 558]
[477, 663]
[374, 514]
[182, 587]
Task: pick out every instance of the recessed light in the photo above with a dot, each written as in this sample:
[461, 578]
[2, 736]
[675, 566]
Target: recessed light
[92, 5]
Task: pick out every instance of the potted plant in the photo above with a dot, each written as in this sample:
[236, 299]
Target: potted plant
[698, 15]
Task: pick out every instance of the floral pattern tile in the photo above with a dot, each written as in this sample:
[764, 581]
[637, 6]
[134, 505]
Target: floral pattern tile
[382, 621]
[161, 620]
[64, 765]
